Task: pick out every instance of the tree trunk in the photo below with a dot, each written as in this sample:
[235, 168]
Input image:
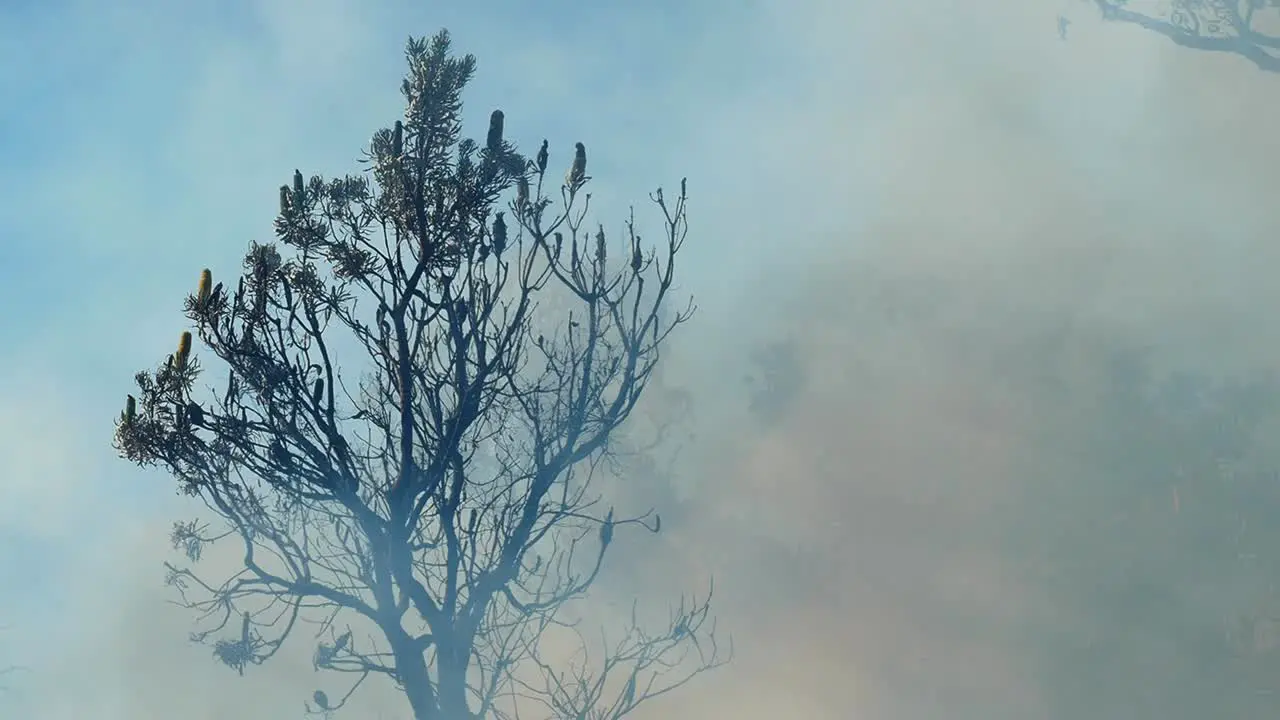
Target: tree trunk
[452, 685]
[411, 671]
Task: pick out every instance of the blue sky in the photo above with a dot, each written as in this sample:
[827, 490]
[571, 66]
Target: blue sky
[143, 140]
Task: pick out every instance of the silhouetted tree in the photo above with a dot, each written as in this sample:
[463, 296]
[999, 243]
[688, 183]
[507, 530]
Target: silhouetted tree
[1248, 28]
[437, 515]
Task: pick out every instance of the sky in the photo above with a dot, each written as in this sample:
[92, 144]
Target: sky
[838, 153]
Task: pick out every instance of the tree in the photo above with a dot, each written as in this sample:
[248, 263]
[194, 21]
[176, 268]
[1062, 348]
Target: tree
[439, 516]
[1248, 28]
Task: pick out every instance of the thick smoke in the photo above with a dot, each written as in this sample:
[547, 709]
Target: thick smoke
[913, 210]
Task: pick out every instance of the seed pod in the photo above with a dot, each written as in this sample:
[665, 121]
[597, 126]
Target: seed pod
[499, 233]
[522, 192]
[317, 391]
[195, 414]
[297, 186]
[495, 131]
[577, 171]
[397, 140]
[205, 287]
[542, 158]
[184, 350]
[629, 693]
[279, 455]
[130, 409]
[606, 530]
[284, 199]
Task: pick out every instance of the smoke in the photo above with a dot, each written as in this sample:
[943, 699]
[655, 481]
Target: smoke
[995, 189]
[910, 199]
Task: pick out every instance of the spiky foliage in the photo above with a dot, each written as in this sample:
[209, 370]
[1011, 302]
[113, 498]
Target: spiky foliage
[444, 499]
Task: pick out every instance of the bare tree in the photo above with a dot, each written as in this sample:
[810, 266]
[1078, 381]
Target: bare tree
[439, 516]
[1248, 28]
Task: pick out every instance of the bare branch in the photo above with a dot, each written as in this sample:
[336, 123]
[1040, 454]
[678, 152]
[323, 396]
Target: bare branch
[1248, 28]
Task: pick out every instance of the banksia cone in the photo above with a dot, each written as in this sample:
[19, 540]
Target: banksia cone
[279, 455]
[577, 171]
[397, 140]
[297, 185]
[317, 391]
[499, 233]
[629, 693]
[130, 409]
[205, 287]
[184, 350]
[637, 259]
[284, 199]
[495, 131]
[195, 414]
[522, 192]
[600, 245]
[606, 530]
[542, 158]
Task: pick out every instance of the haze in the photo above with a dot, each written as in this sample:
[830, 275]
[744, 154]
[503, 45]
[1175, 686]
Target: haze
[907, 195]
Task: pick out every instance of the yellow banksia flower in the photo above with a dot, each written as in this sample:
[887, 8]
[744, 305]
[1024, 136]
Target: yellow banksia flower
[184, 350]
[206, 286]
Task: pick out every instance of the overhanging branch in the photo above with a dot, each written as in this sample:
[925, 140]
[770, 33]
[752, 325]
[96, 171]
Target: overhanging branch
[1224, 26]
